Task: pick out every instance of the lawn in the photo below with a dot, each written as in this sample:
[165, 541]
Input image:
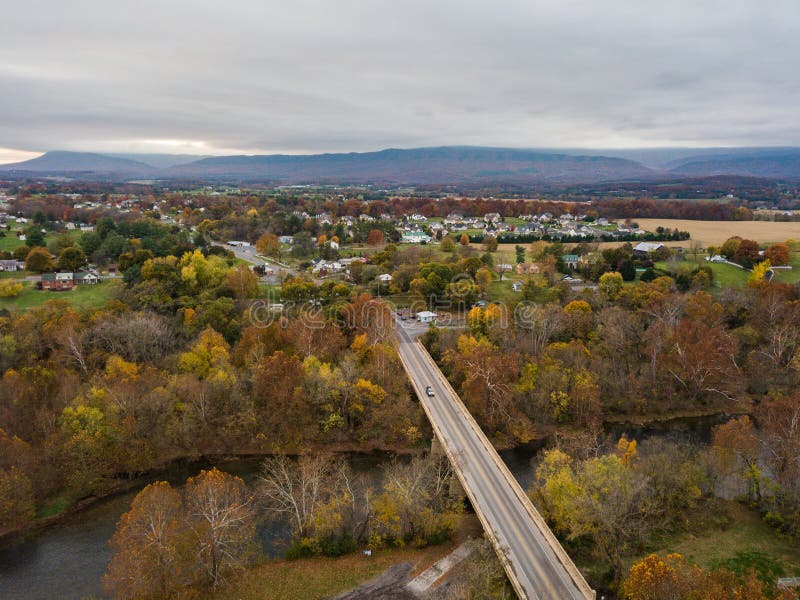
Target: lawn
[312, 578]
[724, 275]
[91, 296]
[745, 532]
[10, 242]
[789, 275]
[500, 291]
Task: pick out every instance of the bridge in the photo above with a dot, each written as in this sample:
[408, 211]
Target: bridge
[536, 564]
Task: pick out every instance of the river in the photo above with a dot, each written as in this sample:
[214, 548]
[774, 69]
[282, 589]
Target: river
[68, 559]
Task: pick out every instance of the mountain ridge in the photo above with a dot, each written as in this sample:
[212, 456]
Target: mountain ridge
[438, 165]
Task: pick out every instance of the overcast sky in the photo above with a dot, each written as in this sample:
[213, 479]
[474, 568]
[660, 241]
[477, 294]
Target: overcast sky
[253, 76]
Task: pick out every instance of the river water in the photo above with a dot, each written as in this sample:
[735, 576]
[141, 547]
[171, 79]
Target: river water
[68, 559]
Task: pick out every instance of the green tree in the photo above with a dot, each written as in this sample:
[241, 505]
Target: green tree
[627, 270]
[89, 242]
[34, 236]
[71, 259]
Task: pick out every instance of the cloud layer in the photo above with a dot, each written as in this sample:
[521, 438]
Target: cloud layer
[309, 76]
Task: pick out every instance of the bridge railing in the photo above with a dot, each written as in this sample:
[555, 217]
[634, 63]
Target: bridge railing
[539, 521]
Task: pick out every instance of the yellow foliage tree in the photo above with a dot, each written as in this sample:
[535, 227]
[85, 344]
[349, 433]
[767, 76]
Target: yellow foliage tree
[10, 288]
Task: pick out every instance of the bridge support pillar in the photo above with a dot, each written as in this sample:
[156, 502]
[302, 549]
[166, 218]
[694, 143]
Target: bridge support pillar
[436, 447]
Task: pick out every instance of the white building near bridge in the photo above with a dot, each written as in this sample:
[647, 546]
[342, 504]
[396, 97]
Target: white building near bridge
[426, 316]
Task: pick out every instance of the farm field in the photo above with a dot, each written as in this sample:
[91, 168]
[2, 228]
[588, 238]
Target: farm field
[716, 232]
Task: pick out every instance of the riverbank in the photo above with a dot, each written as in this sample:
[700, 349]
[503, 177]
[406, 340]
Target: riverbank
[322, 577]
[175, 470]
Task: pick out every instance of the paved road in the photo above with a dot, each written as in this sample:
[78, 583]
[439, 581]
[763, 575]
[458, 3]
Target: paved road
[535, 562]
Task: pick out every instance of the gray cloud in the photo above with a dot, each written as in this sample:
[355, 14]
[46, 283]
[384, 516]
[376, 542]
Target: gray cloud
[308, 75]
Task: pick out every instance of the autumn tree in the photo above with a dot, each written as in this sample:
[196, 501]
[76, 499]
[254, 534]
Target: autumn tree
[739, 450]
[464, 239]
[778, 254]
[655, 578]
[221, 514]
[487, 375]
[447, 244]
[10, 288]
[599, 497]
[243, 281]
[746, 253]
[610, 285]
[490, 243]
[17, 505]
[269, 245]
[483, 277]
[375, 237]
[38, 260]
[415, 506]
[701, 356]
[151, 546]
[730, 247]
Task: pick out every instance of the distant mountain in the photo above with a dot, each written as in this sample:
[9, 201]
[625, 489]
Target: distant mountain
[770, 163]
[447, 165]
[79, 163]
[444, 165]
[161, 161]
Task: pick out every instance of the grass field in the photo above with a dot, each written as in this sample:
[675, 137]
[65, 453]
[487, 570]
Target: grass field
[724, 275]
[716, 232]
[745, 532]
[313, 578]
[10, 242]
[90, 296]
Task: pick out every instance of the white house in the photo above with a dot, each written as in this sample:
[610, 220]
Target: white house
[415, 237]
[426, 316]
[385, 278]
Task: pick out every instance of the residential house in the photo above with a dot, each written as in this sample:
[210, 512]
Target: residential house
[57, 281]
[87, 277]
[528, 268]
[11, 265]
[516, 286]
[415, 237]
[570, 260]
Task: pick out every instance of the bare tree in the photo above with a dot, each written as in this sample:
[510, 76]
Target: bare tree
[221, 514]
[295, 489]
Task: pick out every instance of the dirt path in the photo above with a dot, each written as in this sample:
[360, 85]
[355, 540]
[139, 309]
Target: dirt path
[389, 585]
